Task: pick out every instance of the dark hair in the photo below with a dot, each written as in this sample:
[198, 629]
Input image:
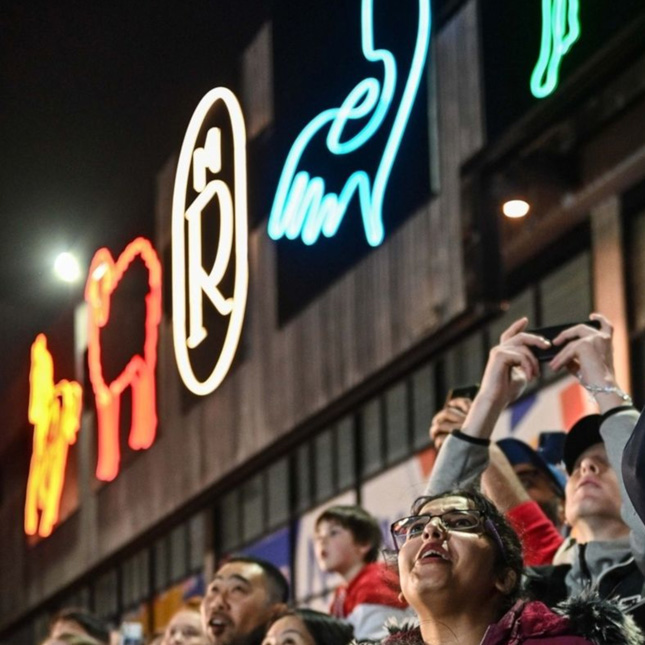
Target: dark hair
[92, 625]
[508, 545]
[324, 629]
[359, 523]
[277, 584]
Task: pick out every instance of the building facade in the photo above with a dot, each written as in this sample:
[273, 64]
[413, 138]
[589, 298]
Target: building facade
[349, 347]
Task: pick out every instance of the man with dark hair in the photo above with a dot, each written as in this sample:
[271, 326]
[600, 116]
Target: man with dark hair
[347, 542]
[79, 621]
[244, 596]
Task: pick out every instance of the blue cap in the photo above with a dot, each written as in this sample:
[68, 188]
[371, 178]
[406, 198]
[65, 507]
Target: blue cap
[518, 452]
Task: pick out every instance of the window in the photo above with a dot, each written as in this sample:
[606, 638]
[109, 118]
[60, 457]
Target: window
[396, 422]
[346, 452]
[324, 465]
[424, 404]
[464, 363]
[278, 493]
[178, 553]
[162, 572]
[252, 508]
[371, 437]
[196, 541]
[303, 477]
[565, 294]
[229, 521]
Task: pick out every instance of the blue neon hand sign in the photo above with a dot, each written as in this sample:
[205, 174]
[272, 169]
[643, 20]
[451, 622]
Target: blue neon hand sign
[302, 206]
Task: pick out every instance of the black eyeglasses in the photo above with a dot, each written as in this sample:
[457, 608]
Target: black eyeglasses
[461, 521]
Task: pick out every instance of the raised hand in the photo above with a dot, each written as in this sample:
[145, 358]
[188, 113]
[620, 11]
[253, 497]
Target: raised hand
[303, 206]
[588, 354]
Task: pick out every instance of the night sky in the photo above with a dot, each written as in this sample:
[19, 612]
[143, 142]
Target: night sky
[95, 97]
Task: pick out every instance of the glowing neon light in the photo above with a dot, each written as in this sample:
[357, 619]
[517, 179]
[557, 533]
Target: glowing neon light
[55, 412]
[302, 207]
[233, 228]
[560, 30]
[139, 373]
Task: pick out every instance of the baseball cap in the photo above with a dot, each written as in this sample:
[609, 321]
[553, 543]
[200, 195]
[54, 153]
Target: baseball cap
[518, 452]
[583, 434]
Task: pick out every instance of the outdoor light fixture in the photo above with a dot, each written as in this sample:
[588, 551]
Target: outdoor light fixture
[67, 267]
[515, 208]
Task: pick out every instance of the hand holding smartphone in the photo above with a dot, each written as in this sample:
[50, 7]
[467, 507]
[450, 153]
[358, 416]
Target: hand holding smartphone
[544, 355]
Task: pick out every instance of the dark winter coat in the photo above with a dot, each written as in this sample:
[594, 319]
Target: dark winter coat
[580, 621]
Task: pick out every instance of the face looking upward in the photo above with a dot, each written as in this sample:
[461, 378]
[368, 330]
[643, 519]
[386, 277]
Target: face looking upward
[448, 565]
[236, 602]
[592, 492]
[185, 628]
[289, 630]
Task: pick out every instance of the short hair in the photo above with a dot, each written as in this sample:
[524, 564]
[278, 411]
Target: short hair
[89, 623]
[277, 584]
[359, 523]
[508, 547]
[324, 629]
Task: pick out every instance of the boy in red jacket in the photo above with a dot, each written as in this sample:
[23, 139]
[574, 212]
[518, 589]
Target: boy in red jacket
[347, 542]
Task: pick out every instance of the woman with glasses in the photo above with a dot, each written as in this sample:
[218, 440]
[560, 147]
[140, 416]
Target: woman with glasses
[460, 565]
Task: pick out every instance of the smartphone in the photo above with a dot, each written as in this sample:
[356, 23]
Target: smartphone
[462, 392]
[550, 333]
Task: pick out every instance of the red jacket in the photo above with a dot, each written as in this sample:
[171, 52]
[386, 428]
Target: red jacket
[540, 539]
[375, 584]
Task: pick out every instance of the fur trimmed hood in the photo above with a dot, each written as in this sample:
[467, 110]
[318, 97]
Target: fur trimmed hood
[586, 617]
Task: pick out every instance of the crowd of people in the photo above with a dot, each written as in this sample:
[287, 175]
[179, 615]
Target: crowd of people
[509, 545]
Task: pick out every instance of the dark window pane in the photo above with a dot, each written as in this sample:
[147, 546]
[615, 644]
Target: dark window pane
[424, 404]
[278, 487]
[565, 294]
[230, 524]
[371, 438]
[345, 452]
[396, 422]
[178, 553]
[324, 458]
[252, 507]
[464, 363]
[522, 305]
[303, 478]
[162, 574]
[197, 541]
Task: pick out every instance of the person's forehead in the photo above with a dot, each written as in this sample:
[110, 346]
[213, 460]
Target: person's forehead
[452, 502]
[186, 618]
[287, 623]
[327, 524]
[248, 571]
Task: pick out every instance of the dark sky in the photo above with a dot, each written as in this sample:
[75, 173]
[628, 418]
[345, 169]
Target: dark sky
[95, 97]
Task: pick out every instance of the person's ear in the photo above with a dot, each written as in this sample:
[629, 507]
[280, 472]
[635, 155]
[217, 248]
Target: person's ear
[402, 598]
[506, 583]
[277, 610]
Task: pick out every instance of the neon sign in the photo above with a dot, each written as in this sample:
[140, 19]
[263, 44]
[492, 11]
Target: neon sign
[303, 206]
[560, 30]
[232, 240]
[55, 412]
[139, 373]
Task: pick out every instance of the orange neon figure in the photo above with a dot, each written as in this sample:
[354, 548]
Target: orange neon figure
[55, 412]
[139, 373]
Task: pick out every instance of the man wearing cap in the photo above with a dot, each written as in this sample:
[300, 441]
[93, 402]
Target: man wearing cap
[610, 552]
